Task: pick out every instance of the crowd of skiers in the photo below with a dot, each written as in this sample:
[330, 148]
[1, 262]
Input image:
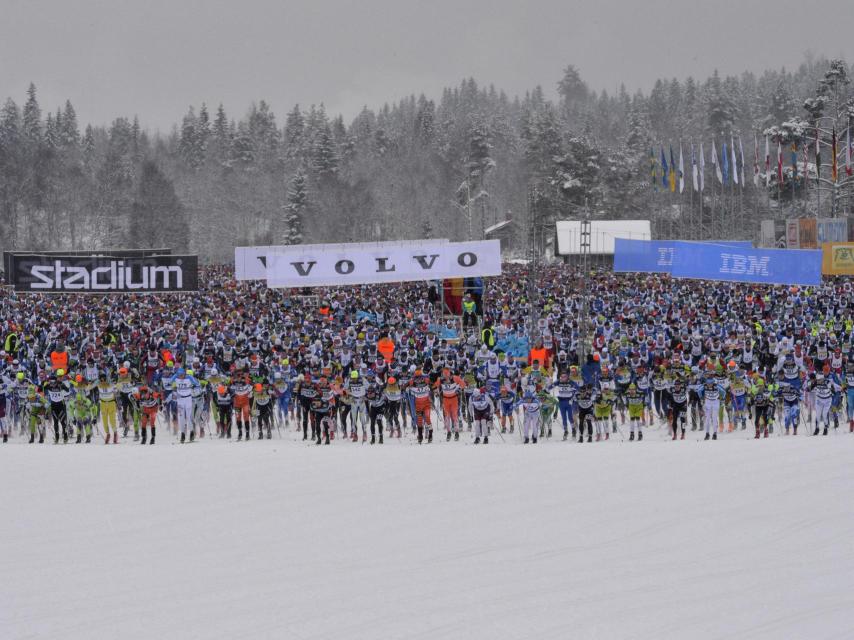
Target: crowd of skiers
[238, 361]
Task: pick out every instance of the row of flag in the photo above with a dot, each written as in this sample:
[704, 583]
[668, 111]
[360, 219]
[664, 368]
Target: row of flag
[729, 165]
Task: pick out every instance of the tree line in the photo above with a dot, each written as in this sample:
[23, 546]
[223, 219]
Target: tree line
[419, 167]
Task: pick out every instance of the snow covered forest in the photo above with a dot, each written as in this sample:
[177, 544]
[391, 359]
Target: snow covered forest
[414, 168]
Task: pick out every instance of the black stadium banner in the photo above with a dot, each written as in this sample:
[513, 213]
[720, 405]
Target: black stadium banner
[115, 253]
[52, 273]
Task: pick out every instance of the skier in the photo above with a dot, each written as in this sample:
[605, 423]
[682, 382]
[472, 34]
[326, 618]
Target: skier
[530, 417]
[482, 411]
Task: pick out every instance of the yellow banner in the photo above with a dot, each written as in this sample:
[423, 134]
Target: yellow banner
[837, 258]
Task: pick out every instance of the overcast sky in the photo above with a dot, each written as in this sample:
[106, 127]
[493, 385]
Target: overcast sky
[153, 58]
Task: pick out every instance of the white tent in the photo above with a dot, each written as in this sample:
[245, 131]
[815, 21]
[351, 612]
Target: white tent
[602, 235]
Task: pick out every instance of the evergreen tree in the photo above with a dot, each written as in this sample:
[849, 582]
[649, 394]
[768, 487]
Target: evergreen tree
[32, 117]
[294, 133]
[324, 158]
[720, 107]
[69, 133]
[158, 217]
[295, 209]
[191, 146]
[220, 147]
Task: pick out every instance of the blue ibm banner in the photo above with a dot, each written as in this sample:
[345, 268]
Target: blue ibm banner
[737, 264]
[655, 256]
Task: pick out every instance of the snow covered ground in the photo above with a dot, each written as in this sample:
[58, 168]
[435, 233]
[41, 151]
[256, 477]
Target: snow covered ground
[277, 539]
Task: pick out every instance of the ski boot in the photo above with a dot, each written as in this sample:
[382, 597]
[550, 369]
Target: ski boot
[381, 437]
[32, 438]
[448, 437]
[708, 437]
[714, 436]
[183, 438]
[144, 439]
[632, 436]
[373, 439]
[526, 441]
[79, 437]
[88, 438]
[456, 436]
[477, 440]
[485, 439]
[269, 433]
[534, 440]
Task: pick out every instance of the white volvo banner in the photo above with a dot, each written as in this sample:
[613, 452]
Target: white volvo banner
[349, 264]
[250, 263]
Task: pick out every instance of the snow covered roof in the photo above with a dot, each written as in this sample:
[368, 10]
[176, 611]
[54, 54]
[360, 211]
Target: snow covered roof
[497, 227]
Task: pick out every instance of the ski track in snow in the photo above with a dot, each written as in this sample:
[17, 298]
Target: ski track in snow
[278, 539]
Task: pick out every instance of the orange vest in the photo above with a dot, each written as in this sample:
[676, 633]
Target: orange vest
[386, 348]
[59, 360]
[538, 354]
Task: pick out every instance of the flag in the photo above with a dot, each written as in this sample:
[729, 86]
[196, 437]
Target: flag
[715, 163]
[702, 168]
[794, 160]
[681, 171]
[652, 168]
[834, 168]
[663, 168]
[848, 169]
[817, 154]
[734, 160]
[767, 164]
[672, 174]
[725, 162]
[780, 161]
[695, 177]
[755, 161]
[741, 153]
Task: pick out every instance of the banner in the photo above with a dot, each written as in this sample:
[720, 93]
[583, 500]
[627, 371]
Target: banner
[655, 256]
[837, 258]
[52, 273]
[792, 234]
[807, 233]
[832, 230]
[767, 266]
[250, 263]
[349, 264]
[114, 253]
[767, 236]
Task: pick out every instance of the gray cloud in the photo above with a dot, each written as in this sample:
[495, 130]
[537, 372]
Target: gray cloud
[155, 57]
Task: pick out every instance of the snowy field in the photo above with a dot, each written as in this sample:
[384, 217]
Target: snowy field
[277, 539]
